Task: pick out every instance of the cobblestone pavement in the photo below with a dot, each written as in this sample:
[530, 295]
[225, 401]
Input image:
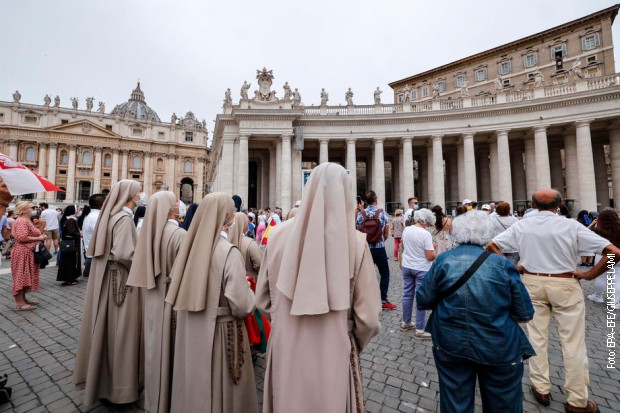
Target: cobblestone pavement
[37, 350]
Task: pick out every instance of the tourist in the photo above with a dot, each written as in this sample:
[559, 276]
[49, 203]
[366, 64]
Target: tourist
[249, 249]
[500, 223]
[251, 232]
[587, 257]
[379, 227]
[441, 231]
[608, 227]
[487, 208]
[213, 369]
[413, 205]
[260, 229]
[24, 270]
[158, 245]
[548, 245]
[418, 255]
[81, 216]
[138, 217]
[95, 202]
[7, 236]
[110, 352]
[398, 225]
[52, 223]
[70, 267]
[238, 203]
[460, 210]
[321, 291]
[38, 222]
[474, 325]
[189, 216]
[468, 204]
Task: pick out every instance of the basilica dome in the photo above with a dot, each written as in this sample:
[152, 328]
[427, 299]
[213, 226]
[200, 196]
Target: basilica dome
[137, 107]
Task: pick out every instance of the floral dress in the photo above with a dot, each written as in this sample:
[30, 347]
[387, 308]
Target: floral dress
[23, 268]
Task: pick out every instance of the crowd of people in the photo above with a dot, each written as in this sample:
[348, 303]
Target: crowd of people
[180, 299]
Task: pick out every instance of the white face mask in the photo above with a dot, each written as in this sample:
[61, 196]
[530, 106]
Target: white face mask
[142, 199]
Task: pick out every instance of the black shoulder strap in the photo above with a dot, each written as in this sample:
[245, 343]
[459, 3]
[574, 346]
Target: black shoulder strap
[461, 281]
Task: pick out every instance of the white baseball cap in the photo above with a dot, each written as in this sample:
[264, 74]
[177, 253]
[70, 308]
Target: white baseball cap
[486, 207]
[467, 201]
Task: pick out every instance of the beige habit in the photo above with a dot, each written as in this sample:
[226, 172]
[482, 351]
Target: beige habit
[213, 369]
[110, 355]
[318, 283]
[249, 249]
[158, 244]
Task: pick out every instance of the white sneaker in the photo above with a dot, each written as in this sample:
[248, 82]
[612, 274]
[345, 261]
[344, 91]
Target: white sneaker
[596, 298]
[422, 335]
[404, 326]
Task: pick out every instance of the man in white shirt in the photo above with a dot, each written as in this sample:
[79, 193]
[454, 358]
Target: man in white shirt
[413, 206]
[88, 228]
[549, 246]
[52, 225]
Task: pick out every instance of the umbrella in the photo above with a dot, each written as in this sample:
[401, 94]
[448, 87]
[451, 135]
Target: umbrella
[21, 180]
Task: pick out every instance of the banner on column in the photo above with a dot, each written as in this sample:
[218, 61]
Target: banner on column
[299, 138]
[305, 175]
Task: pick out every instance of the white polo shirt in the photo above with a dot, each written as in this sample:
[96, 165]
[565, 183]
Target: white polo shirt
[549, 243]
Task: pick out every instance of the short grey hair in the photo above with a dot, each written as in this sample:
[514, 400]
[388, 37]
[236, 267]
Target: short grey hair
[473, 227]
[424, 216]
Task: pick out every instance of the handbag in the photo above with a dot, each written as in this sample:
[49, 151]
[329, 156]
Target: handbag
[67, 245]
[5, 392]
[41, 254]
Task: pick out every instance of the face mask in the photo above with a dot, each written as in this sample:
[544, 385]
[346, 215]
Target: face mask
[416, 207]
[79, 214]
[469, 207]
[33, 213]
[142, 199]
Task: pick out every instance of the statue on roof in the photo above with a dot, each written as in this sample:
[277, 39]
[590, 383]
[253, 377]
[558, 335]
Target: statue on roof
[227, 97]
[17, 96]
[101, 108]
[117, 111]
[47, 100]
[89, 104]
[407, 93]
[377, 96]
[244, 90]
[265, 80]
[349, 97]
[57, 101]
[576, 69]
[436, 91]
[287, 91]
[296, 98]
[173, 119]
[324, 97]
[499, 83]
[464, 88]
[74, 103]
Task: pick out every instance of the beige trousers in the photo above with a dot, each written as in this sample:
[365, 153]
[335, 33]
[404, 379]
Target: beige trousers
[562, 298]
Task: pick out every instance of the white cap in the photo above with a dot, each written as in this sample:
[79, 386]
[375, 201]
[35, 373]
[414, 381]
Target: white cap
[486, 207]
[467, 201]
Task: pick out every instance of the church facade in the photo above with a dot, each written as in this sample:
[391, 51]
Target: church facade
[556, 124]
[86, 150]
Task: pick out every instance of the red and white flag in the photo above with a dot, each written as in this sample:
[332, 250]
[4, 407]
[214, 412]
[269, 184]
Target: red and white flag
[21, 180]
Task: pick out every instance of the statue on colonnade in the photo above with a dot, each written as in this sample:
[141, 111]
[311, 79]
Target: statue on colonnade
[349, 97]
[287, 91]
[324, 97]
[377, 96]
[47, 100]
[244, 90]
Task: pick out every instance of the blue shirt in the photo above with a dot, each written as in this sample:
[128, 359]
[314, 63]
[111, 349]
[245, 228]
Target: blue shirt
[479, 320]
[383, 218]
[4, 222]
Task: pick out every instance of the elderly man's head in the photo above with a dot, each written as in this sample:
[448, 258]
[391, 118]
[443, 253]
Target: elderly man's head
[473, 227]
[546, 199]
[424, 217]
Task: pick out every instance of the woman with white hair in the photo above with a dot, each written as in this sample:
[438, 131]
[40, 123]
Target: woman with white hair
[478, 300]
[418, 255]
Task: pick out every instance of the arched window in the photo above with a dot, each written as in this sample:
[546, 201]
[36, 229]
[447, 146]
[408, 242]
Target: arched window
[136, 162]
[31, 154]
[63, 157]
[107, 161]
[188, 167]
[87, 158]
[160, 164]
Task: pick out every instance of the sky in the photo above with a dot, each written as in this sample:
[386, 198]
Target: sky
[187, 52]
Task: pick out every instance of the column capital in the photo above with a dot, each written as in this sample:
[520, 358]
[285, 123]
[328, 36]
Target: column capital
[98, 149]
[407, 139]
[72, 147]
[43, 145]
[540, 128]
[285, 138]
[437, 138]
[379, 139]
[351, 139]
[324, 140]
[171, 156]
[53, 145]
[502, 132]
[583, 123]
[13, 141]
[116, 151]
[468, 135]
[228, 139]
[244, 137]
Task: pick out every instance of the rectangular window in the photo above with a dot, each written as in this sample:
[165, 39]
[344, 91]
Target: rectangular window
[425, 91]
[459, 80]
[504, 67]
[401, 98]
[30, 119]
[558, 51]
[189, 137]
[530, 60]
[135, 176]
[63, 121]
[136, 132]
[1, 117]
[506, 82]
[589, 60]
[414, 94]
[441, 86]
[481, 74]
[106, 174]
[160, 135]
[62, 172]
[108, 127]
[590, 42]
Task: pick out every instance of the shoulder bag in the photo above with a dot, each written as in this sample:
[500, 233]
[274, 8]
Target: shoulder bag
[464, 278]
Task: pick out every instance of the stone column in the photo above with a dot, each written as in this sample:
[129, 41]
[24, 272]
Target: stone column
[352, 164]
[469, 168]
[460, 154]
[429, 175]
[370, 180]
[114, 177]
[614, 154]
[530, 168]
[272, 178]
[493, 169]
[285, 174]
[42, 170]
[518, 174]
[51, 169]
[379, 172]
[148, 178]
[408, 176]
[572, 172]
[296, 175]
[235, 167]
[124, 163]
[200, 183]
[172, 170]
[402, 195]
[97, 171]
[13, 145]
[600, 176]
[396, 173]
[585, 165]
[226, 164]
[71, 174]
[453, 173]
[541, 154]
[278, 176]
[438, 174]
[244, 173]
[323, 150]
[504, 173]
[484, 170]
[555, 168]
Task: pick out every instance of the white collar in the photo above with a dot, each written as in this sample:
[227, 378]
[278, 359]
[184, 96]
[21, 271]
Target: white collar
[174, 221]
[224, 234]
[128, 210]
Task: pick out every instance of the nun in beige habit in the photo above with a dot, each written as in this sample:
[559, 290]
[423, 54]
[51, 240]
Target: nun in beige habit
[213, 369]
[110, 356]
[158, 244]
[318, 283]
[249, 249]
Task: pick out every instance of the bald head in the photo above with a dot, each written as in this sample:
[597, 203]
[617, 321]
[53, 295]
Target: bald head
[546, 199]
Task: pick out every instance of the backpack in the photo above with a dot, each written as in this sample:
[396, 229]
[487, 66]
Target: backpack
[371, 226]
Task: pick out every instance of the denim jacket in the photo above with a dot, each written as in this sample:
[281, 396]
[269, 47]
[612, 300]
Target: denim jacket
[479, 320]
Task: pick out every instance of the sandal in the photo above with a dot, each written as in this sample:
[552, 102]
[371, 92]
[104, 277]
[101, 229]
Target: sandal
[32, 302]
[25, 307]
